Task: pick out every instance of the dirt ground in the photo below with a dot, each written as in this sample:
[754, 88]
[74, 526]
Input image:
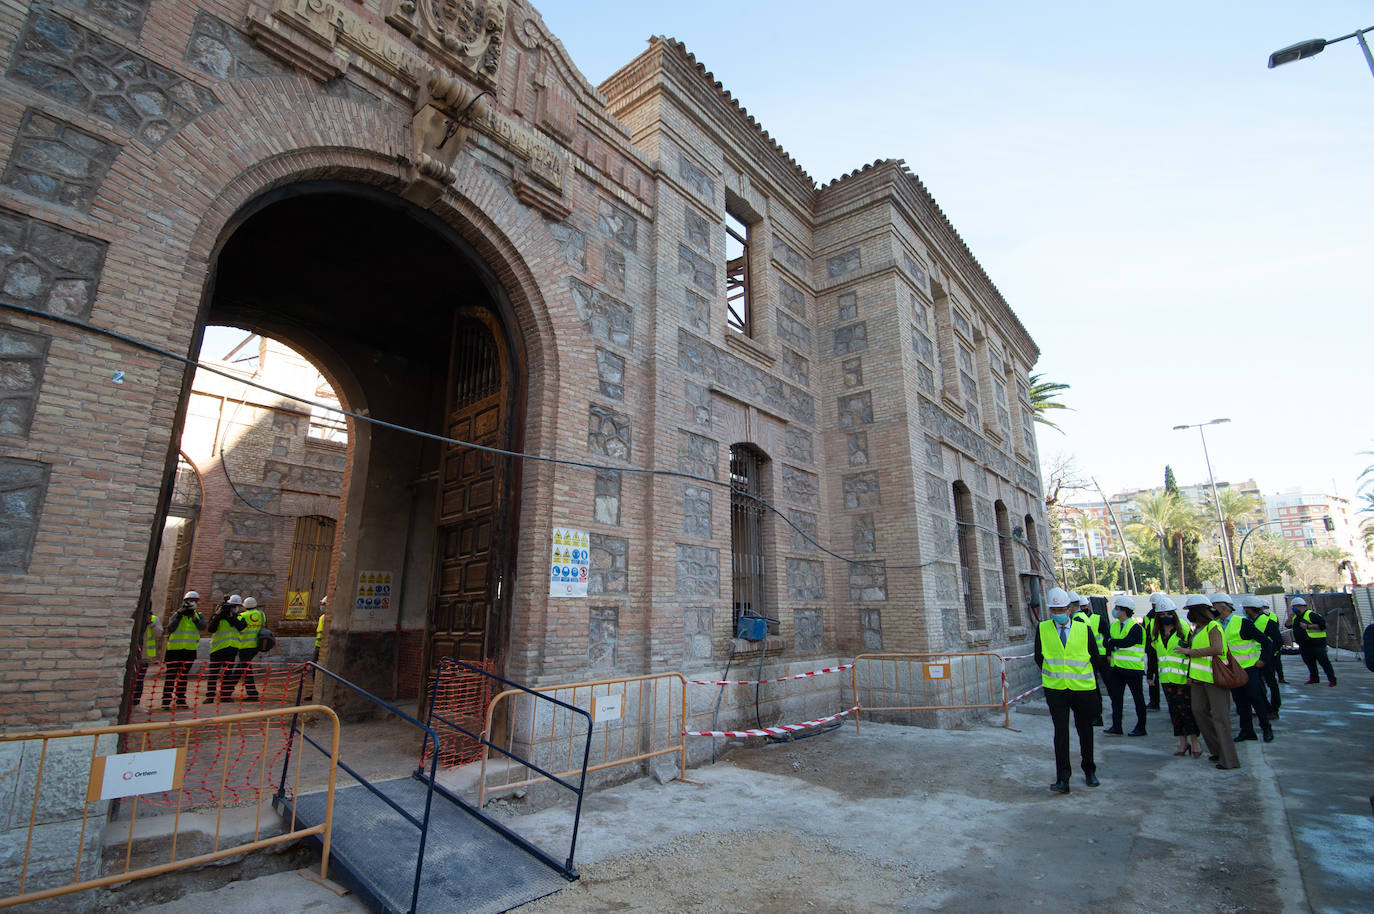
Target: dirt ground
[907, 819]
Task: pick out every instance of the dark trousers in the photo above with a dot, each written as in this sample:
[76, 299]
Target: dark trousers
[176, 676]
[140, 673]
[1313, 654]
[1269, 676]
[1096, 693]
[1118, 680]
[242, 669]
[1152, 677]
[1061, 702]
[218, 684]
[1250, 702]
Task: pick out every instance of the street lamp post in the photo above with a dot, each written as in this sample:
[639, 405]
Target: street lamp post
[1228, 571]
[1313, 46]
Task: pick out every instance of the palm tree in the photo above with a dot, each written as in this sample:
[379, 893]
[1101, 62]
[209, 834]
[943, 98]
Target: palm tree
[1234, 506]
[1085, 524]
[1044, 397]
[1189, 521]
[1158, 512]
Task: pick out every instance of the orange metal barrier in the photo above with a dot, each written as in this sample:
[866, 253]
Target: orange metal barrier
[63, 794]
[929, 682]
[638, 718]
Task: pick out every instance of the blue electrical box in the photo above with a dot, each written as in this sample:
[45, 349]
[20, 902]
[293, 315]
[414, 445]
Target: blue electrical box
[752, 628]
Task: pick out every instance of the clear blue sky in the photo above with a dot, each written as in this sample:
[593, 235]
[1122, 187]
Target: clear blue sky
[1184, 232]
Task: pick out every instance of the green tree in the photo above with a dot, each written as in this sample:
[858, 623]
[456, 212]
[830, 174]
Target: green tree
[1235, 506]
[1189, 524]
[1268, 559]
[1085, 523]
[1158, 512]
[1044, 399]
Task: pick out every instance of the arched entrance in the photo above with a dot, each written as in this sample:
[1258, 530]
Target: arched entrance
[411, 327]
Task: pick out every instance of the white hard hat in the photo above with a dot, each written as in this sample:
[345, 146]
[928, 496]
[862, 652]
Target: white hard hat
[250, 603]
[1250, 601]
[190, 595]
[1298, 601]
[1124, 602]
[324, 600]
[1196, 599]
[1073, 598]
[234, 600]
[1057, 598]
[1226, 598]
[1083, 601]
[1164, 604]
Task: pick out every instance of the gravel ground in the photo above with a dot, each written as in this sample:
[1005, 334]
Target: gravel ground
[907, 819]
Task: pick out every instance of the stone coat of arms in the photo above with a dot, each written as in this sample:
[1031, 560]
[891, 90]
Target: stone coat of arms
[469, 34]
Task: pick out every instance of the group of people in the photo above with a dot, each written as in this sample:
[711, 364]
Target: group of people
[1074, 648]
[236, 630]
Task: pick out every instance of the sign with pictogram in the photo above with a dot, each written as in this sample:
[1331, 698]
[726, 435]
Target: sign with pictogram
[297, 604]
[374, 593]
[571, 563]
[133, 773]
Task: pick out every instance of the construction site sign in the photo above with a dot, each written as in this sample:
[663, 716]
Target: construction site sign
[297, 604]
[937, 670]
[131, 773]
[374, 593]
[571, 564]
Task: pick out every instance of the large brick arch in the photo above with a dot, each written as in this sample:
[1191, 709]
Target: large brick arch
[177, 204]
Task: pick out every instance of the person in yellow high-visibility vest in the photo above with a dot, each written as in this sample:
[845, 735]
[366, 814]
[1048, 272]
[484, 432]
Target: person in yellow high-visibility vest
[152, 633]
[1170, 635]
[1252, 651]
[1211, 702]
[319, 629]
[1309, 630]
[1066, 652]
[1126, 665]
[1081, 608]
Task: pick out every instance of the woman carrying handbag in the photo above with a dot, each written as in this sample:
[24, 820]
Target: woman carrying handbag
[1211, 700]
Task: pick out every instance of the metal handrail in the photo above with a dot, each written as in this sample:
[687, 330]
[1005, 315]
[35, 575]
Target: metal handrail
[421, 824]
[567, 867]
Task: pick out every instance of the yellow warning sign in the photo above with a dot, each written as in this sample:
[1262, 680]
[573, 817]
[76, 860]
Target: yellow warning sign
[297, 604]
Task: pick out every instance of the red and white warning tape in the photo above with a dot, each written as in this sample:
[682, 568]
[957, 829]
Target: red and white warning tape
[1018, 657]
[771, 731]
[1025, 694]
[723, 682]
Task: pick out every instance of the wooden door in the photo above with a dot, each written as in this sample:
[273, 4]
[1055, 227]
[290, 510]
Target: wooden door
[465, 619]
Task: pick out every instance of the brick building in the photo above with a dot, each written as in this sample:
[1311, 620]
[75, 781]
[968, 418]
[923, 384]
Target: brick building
[432, 205]
[256, 500]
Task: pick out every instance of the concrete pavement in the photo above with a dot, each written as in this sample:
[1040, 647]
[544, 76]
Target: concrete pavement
[961, 821]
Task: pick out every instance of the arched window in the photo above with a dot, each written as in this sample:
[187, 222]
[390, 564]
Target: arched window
[968, 557]
[1008, 556]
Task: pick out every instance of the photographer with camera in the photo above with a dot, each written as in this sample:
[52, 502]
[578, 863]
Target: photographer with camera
[225, 626]
[183, 638]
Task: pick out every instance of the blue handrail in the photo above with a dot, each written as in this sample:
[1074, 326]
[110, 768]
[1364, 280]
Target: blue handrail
[430, 736]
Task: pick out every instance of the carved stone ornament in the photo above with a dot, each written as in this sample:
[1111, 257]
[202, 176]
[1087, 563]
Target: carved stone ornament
[467, 34]
[445, 108]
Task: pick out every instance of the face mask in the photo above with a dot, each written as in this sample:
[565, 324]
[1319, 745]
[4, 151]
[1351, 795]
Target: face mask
[1060, 618]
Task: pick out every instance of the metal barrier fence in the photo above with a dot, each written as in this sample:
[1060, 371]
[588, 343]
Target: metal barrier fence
[929, 682]
[52, 811]
[640, 717]
[540, 705]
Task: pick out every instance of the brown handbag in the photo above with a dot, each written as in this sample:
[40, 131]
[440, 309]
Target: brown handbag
[1227, 672]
